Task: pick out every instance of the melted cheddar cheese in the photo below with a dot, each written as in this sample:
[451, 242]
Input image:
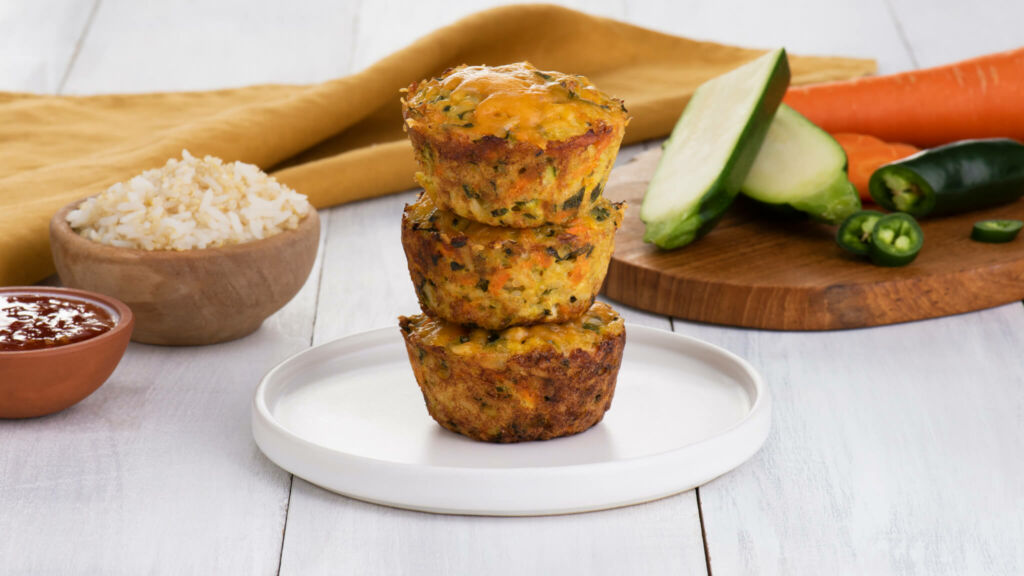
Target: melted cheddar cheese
[515, 102]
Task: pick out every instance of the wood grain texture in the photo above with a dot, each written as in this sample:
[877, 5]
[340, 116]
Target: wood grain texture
[191, 297]
[758, 271]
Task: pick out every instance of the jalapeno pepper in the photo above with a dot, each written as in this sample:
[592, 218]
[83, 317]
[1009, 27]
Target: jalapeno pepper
[854, 234]
[895, 240]
[950, 179]
[996, 231]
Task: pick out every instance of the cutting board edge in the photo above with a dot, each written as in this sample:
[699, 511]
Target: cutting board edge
[858, 298]
[823, 308]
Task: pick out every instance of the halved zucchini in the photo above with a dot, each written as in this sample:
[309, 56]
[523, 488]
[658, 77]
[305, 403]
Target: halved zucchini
[711, 149]
[800, 165]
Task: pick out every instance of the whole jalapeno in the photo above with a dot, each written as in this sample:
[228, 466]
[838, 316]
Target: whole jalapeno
[951, 179]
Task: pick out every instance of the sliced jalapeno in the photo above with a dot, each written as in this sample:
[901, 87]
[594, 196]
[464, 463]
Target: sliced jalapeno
[895, 240]
[854, 234]
[996, 231]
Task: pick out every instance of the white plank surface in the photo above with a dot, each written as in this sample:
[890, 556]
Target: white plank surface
[860, 28]
[943, 31]
[38, 41]
[895, 449]
[367, 539]
[144, 46]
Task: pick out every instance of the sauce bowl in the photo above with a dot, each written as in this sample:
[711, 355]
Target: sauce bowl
[47, 380]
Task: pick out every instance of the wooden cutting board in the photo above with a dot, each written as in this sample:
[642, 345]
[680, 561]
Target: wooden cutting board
[759, 271]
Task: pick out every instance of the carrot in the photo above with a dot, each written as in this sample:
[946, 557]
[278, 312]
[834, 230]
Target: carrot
[864, 154]
[978, 98]
[498, 281]
[576, 230]
[578, 272]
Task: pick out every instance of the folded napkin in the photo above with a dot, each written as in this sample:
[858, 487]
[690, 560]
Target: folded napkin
[337, 141]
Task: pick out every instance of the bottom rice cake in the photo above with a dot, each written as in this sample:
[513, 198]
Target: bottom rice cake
[522, 383]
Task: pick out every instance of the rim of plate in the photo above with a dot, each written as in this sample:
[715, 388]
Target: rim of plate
[761, 402]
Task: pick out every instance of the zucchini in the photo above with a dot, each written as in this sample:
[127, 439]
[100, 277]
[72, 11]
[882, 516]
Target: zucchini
[801, 166]
[711, 149]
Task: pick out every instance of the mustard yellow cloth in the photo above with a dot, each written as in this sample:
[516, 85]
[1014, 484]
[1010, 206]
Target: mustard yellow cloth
[341, 140]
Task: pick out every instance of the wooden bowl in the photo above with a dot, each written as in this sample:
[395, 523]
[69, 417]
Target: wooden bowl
[193, 297]
[44, 381]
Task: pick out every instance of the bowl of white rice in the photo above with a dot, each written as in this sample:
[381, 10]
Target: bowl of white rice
[202, 250]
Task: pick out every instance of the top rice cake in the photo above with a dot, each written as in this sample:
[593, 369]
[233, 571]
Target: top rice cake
[512, 145]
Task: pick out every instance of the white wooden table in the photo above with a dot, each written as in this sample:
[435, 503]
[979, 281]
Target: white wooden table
[895, 450]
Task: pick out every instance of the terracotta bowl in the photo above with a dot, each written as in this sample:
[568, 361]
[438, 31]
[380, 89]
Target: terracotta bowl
[44, 381]
[191, 297]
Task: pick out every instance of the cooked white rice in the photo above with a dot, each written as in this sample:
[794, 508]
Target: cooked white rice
[188, 204]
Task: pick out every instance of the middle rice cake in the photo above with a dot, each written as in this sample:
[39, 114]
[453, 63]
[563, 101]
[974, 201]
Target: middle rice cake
[471, 273]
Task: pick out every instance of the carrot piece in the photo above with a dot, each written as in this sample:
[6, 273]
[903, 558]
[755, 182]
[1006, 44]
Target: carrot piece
[578, 272]
[865, 154]
[977, 98]
[498, 281]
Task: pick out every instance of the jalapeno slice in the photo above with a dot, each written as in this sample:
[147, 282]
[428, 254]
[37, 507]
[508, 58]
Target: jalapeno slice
[854, 234]
[895, 240]
[996, 231]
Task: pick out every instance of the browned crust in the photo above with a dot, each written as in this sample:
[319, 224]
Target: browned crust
[501, 174]
[572, 391]
[447, 266]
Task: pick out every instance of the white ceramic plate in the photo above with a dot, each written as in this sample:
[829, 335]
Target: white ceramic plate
[349, 417]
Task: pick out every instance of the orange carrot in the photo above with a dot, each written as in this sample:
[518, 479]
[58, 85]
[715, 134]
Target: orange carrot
[978, 98]
[498, 281]
[864, 154]
[576, 229]
[578, 272]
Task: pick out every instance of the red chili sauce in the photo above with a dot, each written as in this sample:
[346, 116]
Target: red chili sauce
[33, 322]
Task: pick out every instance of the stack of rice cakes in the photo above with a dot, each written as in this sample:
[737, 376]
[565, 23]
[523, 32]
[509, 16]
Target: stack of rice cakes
[508, 246]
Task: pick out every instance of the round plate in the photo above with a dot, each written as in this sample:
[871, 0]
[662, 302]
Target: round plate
[349, 417]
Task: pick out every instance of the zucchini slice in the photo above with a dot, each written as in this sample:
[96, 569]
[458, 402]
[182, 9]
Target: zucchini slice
[711, 149]
[800, 165]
